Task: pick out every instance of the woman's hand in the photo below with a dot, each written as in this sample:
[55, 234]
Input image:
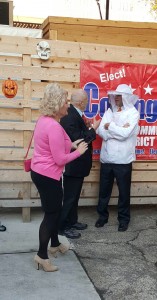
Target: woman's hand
[75, 143]
[82, 147]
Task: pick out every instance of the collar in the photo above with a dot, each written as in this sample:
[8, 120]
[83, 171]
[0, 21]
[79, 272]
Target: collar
[79, 111]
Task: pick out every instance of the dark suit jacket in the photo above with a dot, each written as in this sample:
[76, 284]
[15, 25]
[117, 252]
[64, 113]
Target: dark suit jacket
[76, 129]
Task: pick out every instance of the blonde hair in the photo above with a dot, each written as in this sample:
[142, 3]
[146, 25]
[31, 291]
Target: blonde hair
[53, 99]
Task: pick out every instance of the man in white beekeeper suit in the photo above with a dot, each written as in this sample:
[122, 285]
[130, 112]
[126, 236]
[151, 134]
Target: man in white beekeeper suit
[118, 129]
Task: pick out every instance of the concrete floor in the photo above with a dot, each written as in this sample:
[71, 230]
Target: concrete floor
[121, 265]
[102, 264]
[19, 279]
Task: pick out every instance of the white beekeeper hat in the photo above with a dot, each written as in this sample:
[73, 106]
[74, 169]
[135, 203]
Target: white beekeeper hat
[124, 90]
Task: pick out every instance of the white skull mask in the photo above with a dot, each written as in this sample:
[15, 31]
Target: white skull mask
[43, 50]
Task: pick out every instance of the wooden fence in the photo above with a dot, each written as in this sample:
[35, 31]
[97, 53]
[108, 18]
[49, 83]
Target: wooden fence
[106, 32]
[19, 60]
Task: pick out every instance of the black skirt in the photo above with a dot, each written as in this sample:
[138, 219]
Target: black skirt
[50, 191]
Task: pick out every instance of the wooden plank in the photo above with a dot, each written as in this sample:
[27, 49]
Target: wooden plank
[21, 176]
[34, 192]
[20, 126]
[11, 13]
[137, 165]
[141, 189]
[51, 20]
[137, 176]
[26, 213]
[38, 88]
[35, 115]
[53, 35]
[27, 89]
[108, 36]
[11, 176]
[118, 54]
[13, 165]
[138, 189]
[14, 154]
[11, 103]
[27, 135]
[14, 114]
[41, 74]
[19, 103]
[27, 117]
[26, 58]
[20, 203]
[18, 45]
[11, 191]
[98, 52]
[145, 175]
[93, 31]
[35, 104]
[11, 139]
[27, 92]
[95, 165]
[10, 60]
[145, 165]
[55, 62]
[82, 202]
[113, 201]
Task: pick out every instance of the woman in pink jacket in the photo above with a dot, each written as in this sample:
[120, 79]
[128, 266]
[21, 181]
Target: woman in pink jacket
[52, 150]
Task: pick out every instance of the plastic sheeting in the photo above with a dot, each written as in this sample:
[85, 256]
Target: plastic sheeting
[17, 31]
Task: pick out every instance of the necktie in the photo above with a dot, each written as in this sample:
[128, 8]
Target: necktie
[119, 109]
[84, 119]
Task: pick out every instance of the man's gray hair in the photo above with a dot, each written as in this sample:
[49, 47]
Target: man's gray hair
[78, 96]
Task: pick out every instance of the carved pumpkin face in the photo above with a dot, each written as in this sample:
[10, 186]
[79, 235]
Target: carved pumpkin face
[9, 88]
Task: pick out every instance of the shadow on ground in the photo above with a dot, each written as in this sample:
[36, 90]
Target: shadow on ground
[121, 265]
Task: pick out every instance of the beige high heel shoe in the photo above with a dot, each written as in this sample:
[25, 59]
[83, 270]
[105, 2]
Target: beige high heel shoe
[45, 263]
[61, 248]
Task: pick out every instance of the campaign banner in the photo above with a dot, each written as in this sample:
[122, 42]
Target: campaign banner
[97, 78]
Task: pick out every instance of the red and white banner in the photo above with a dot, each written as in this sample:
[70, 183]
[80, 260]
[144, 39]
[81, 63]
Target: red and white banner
[97, 77]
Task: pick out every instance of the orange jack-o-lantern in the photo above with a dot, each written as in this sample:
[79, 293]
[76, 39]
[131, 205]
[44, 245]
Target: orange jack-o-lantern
[9, 88]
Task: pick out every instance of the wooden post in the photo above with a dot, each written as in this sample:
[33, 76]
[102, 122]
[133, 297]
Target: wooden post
[27, 117]
[53, 34]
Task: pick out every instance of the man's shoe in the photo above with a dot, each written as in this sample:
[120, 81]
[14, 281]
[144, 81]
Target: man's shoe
[71, 233]
[122, 227]
[100, 223]
[79, 226]
[2, 228]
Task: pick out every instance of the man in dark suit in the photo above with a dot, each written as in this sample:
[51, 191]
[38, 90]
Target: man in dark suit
[76, 170]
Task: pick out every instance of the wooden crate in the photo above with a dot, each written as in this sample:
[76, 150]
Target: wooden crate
[120, 33]
[18, 115]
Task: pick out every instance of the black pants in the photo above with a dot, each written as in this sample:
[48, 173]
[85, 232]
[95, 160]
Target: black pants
[51, 195]
[122, 173]
[72, 189]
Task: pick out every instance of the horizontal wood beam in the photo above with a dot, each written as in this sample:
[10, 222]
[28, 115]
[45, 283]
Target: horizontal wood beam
[82, 202]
